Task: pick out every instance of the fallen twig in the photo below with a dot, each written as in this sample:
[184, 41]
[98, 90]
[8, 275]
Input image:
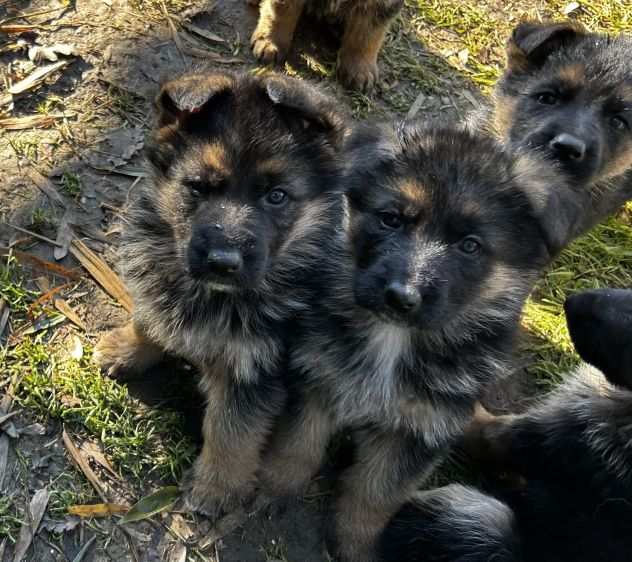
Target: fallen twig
[32, 121]
[37, 77]
[102, 273]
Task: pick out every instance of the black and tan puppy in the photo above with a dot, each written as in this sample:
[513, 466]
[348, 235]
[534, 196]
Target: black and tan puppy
[559, 477]
[365, 23]
[236, 211]
[567, 94]
[415, 313]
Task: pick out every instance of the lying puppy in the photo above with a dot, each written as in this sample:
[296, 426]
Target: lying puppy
[365, 25]
[236, 212]
[560, 474]
[414, 313]
[567, 94]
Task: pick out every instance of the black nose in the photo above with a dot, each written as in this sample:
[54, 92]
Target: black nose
[224, 262]
[568, 146]
[402, 298]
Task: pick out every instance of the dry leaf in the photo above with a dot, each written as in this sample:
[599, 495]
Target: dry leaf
[4, 316]
[37, 77]
[29, 528]
[152, 504]
[570, 8]
[46, 186]
[102, 273]
[38, 53]
[178, 553]
[59, 527]
[83, 465]
[32, 121]
[94, 451]
[204, 33]
[65, 235]
[463, 56]
[97, 510]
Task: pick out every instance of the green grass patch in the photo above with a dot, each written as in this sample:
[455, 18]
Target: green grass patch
[144, 443]
[10, 521]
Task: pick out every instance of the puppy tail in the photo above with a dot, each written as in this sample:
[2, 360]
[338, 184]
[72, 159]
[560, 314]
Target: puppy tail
[454, 523]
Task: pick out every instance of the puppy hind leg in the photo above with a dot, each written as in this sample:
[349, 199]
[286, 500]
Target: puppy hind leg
[126, 350]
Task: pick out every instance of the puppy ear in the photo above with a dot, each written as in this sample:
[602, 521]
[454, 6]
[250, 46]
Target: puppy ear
[531, 43]
[307, 110]
[600, 326]
[180, 98]
[558, 205]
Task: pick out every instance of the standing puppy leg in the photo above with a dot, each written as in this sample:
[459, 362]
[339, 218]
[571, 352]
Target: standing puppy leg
[272, 37]
[237, 423]
[365, 30]
[297, 449]
[388, 469]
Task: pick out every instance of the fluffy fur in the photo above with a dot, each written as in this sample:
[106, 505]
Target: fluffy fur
[562, 470]
[567, 95]
[414, 314]
[236, 213]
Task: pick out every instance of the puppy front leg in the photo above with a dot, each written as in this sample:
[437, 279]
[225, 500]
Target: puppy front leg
[388, 469]
[272, 37]
[297, 448]
[237, 422]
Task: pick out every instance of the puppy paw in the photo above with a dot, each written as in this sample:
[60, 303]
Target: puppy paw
[210, 498]
[359, 75]
[268, 51]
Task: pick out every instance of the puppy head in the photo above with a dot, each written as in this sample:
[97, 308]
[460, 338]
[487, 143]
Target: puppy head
[567, 93]
[600, 325]
[241, 164]
[445, 228]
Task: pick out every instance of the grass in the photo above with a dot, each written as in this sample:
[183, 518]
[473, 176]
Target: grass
[145, 444]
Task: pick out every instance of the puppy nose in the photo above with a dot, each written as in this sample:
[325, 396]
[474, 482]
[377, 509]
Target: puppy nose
[224, 262]
[402, 298]
[569, 146]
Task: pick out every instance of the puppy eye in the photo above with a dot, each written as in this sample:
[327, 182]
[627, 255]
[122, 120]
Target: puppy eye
[197, 187]
[391, 220]
[276, 197]
[470, 245]
[546, 98]
[619, 123]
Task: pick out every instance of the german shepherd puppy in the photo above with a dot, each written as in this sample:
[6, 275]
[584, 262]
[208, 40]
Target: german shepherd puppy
[415, 313]
[568, 495]
[236, 212]
[567, 94]
[365, 25]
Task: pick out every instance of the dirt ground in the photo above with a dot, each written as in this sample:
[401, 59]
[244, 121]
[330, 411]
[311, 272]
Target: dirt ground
[71, 176]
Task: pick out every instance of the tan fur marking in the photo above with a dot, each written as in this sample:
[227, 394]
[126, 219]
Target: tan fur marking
[272, 37]
[414, 192]
[516, 57]
[574, 75]
[214, 156]
[620, 164]
[505, 109]
[272, 166]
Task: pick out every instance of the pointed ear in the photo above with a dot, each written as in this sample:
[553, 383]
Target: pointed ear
[531, 43]
[557, 204]
[180, 98]
[307, 110]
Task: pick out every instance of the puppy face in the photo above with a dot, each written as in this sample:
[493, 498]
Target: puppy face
[568, 94]
[442, 229]
[240, 164]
